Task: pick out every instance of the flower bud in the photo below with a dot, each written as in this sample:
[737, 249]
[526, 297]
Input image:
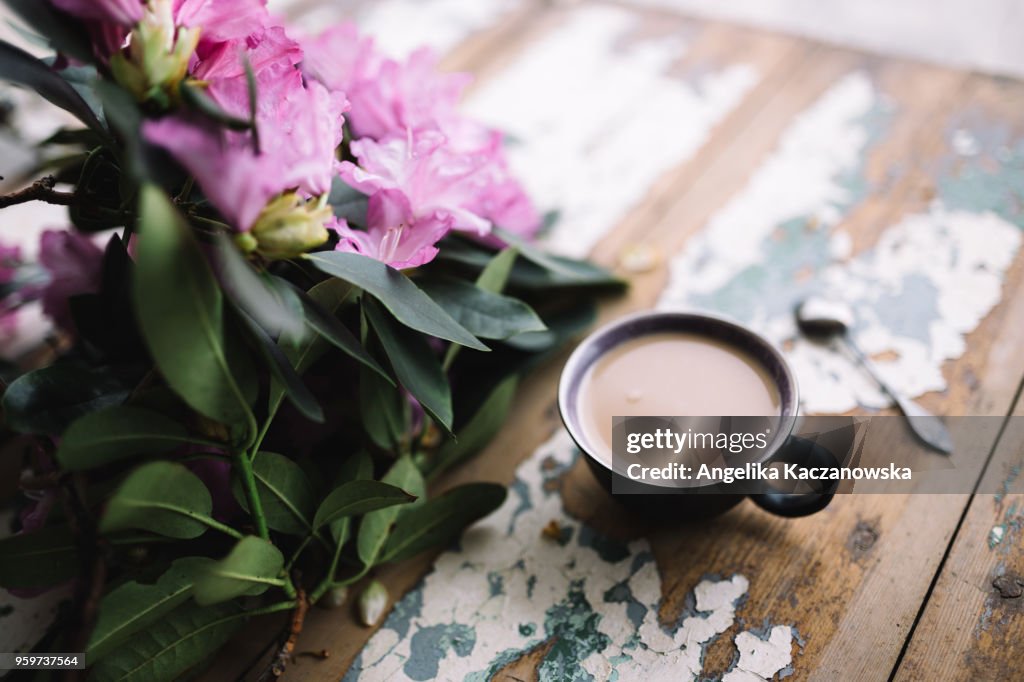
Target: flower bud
[334, 598]
[158, 53]
[287, 227]
[372, 603]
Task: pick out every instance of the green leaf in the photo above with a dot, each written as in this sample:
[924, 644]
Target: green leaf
[44, 558]
[348, 203]
[321, 304]
[133, 606]
[406, 302]
[250, 568]
[375, 526]
[383, 408]
[276, 309]
[286, 495]
[118, 432]
[49, 399]
[415, 364]
[195, 97]
[496, 274]
[486, 314]
[480, 429]
[284, 375]
[18, 66]
[62, 33]
[161, 497]
[98, 196]
[563, 324]
[441, 520]
[172, 645]
[526, 274]
[180, 312]
[358, 497]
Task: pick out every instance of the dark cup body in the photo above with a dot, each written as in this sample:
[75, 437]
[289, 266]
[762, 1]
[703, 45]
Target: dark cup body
[715, 498]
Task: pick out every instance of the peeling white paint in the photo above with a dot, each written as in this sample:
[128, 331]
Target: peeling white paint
[536, 576]
[930, 279]
[596, 117]
[760, 659]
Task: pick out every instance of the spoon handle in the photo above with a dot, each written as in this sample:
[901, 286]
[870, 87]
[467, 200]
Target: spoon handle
[925, 425]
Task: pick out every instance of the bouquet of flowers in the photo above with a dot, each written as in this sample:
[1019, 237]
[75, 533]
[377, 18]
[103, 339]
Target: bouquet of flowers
[298, 286]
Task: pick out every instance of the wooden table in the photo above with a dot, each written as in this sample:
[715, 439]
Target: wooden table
[737, 170]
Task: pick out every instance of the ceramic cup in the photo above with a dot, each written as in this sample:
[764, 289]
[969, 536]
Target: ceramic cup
[716, 497]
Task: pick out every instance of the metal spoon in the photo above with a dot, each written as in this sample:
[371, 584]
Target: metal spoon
[827, 319]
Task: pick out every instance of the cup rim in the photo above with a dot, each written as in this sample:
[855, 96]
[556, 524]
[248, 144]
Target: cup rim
[576, 367]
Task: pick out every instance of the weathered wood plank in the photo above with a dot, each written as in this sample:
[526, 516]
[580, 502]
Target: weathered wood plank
[972, 627]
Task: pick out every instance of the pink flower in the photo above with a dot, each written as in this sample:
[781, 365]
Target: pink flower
[394, 235]
[433, 178]
[299, 128]
[75, 266]
[122, 12]
[339, 57]
[405, 96]
[222, 20]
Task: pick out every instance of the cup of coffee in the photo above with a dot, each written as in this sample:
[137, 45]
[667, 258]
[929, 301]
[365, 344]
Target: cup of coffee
[678, 366]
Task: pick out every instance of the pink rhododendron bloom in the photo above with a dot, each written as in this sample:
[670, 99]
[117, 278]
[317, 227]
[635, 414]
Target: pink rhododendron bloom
[401, 97]
[75, 266]
[394, 235]
[299, 128]
[432, 177]
[340, 58]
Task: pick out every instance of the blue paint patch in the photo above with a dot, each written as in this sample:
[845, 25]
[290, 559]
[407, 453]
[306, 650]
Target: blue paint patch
[521, 491]
[572, 624]
[991, 178]
[910, 311]
[495, 584]
[430, 644]
[608, 549]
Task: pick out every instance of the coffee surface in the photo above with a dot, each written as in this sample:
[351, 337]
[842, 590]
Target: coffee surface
[673, 375]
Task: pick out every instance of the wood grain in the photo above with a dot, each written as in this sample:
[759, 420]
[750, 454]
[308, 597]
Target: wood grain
[851, 580]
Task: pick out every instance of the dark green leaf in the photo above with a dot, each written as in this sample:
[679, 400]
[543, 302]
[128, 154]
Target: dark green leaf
[441, 520]
[411, 306]
[285, 376]
[161, 497]
[358, 497]
[99, 200]
[196, 98]
[172, 645]
[480, 429]
[285, 492]
[321, 303]
[415, 364]
[375, 526]
[180, 311]
[485, 314]
[383, 408]
[49, 399]
[249, 569]
[348, 203]
[18, 66]
[563, 324]
[133, 606]
[44, 558]
[528, 275]
[62, 33]
[115, 433]
[276, 309]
